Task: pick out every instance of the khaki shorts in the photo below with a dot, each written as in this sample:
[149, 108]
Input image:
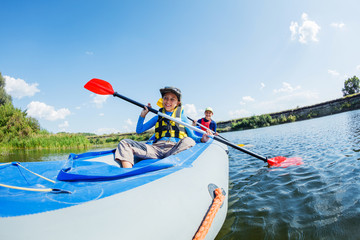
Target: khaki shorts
[127, 149]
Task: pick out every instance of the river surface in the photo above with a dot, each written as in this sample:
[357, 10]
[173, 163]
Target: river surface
[317, 200]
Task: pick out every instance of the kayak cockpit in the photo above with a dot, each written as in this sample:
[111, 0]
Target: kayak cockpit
[102, 166]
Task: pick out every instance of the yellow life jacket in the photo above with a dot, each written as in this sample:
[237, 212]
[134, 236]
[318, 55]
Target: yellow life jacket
[166, 128]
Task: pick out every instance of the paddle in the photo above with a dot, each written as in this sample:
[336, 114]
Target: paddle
[102, 87]
[160, 104]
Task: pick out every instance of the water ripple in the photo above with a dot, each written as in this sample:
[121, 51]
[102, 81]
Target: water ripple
[317, 200]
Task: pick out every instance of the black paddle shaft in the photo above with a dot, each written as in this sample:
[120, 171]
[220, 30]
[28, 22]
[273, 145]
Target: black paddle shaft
[240, 148]
[215, 137]
[135, 102]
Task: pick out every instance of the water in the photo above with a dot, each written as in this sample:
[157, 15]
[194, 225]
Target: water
[317, 200]
[34, 155]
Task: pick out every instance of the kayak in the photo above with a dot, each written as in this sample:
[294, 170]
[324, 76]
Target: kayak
[89, 196]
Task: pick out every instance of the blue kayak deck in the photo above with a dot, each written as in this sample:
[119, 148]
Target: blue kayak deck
[82, 178]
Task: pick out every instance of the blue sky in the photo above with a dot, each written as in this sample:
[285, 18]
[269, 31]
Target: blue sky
[240, 57]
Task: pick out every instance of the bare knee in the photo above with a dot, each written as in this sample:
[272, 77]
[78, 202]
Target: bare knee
[126, 164]
[123, 163]
[188, 142]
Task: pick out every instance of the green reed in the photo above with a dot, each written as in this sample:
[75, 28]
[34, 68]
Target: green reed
[48, 141]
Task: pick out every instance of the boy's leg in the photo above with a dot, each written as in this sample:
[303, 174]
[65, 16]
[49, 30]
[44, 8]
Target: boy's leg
[128, 148]
[182, 145]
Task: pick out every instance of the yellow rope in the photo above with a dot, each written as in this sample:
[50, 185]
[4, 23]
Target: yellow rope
[28, 189]
[54, 190]
[18, 164]
[8, 163]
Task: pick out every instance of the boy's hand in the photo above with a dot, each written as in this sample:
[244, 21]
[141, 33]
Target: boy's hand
[145, 111]
[206, 137]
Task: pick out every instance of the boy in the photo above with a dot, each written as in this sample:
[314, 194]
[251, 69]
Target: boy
[207, 121]
[170, 138]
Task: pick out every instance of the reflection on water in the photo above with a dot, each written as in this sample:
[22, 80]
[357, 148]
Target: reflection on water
[35, 155]
[42, 155]
[317, 200]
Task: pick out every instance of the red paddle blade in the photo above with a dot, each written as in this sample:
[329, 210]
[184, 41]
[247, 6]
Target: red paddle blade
[284, 162]
[99, 86]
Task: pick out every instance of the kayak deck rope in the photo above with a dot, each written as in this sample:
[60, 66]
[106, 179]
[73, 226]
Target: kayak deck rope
[209, 218]
[3, 164]
[52, 190]
[19, 165]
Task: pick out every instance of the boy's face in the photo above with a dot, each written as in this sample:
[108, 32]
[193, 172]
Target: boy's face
[170, 102]
[208, 114]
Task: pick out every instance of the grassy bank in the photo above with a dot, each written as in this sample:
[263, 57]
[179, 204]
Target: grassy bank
[258, 122]
[115, 138]
[47, 141]
[67, 140]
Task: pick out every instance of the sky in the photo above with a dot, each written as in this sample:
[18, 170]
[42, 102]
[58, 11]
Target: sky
[242, 58]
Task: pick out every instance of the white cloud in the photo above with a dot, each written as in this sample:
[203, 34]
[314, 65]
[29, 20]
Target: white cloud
[89, 53]
[307, 31]
[288, 101]
[358, 67]
[262, 86]
[63, 126]
[129, 122]
[18, 88]
[333, 72]
[298, 96]
[239, 113]
[190, 110]
[248, 99]
[41, 110]
[290, 97]
[99, 100]
[337, 25]
[293, 29]
[102, 131]
[242, 112]
[286, 88]
[128, 127]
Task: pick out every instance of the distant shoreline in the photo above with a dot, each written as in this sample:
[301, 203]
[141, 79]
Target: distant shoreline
[344, 104]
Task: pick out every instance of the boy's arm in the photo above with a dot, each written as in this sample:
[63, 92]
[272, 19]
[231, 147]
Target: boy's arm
[141, 127]
[214, 125]
[190, 132]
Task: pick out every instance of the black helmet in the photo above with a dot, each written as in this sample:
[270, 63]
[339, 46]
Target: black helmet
[173, 90]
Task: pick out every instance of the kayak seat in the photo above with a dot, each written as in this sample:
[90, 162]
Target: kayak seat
[102, 166]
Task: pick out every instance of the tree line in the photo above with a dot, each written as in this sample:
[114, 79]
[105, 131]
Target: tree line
[18, 130]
